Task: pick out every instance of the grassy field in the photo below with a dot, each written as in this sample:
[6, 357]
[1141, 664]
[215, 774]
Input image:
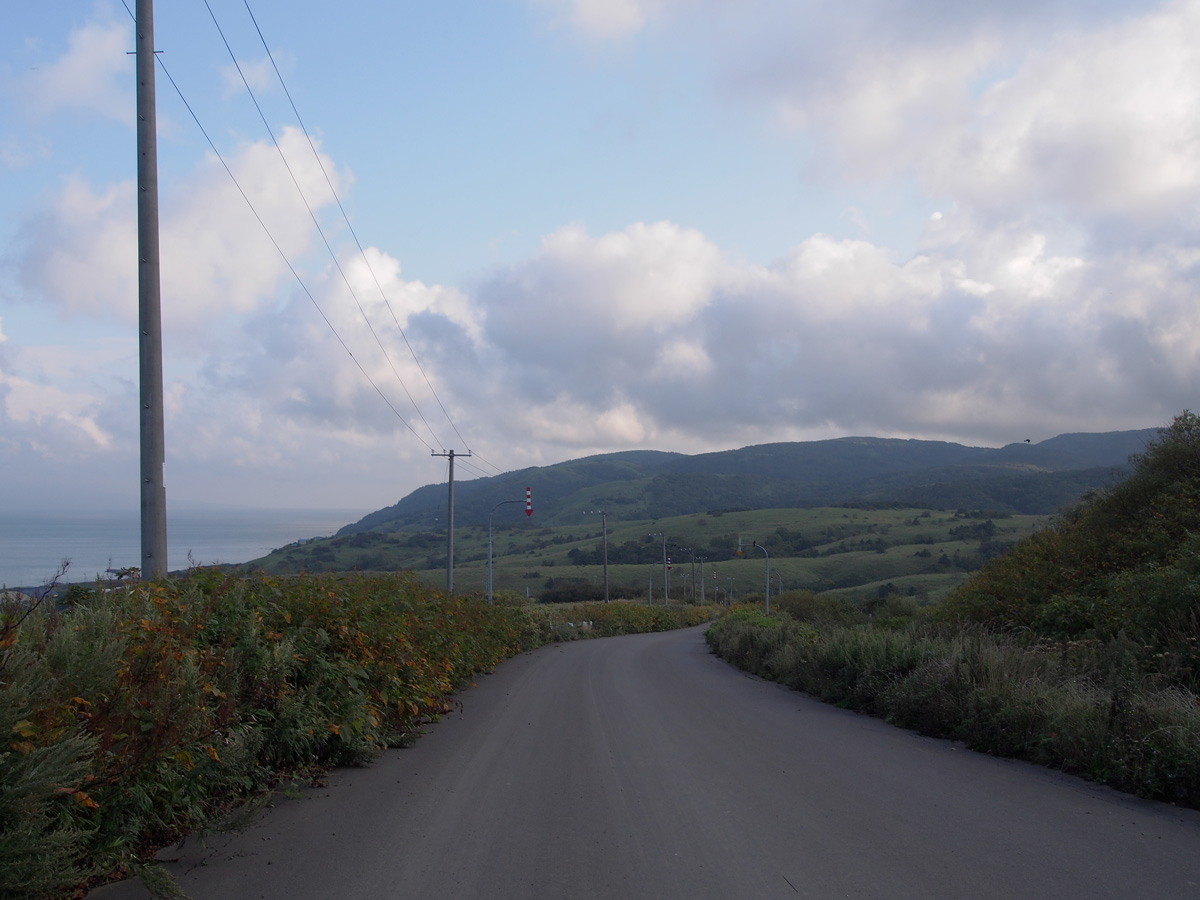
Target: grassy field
[854, 552]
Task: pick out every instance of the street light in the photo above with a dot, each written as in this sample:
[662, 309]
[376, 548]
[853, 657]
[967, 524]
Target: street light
[666, 583]
[492, 513]
[768, 556]
[703, 560]
[604, 530]
[692, 553]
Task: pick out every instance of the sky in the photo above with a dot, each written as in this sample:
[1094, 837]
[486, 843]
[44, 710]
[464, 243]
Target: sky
[554, 228]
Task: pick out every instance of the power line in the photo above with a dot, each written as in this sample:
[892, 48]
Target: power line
[316, 222]
[473, 469]
[353, 233]
[499, 471]
[275, 243]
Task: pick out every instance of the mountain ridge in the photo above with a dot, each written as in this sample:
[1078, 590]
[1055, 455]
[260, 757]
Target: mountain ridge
[1020, 477]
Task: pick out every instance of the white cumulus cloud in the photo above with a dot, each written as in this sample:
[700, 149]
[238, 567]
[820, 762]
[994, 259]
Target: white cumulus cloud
[81, 252]
[93, 75]
[605, 19]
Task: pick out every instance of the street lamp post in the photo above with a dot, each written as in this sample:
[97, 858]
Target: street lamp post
[604, 531]
[492, 513]
[703, 560]
[692, 553]
[666, 583]
[768, 556]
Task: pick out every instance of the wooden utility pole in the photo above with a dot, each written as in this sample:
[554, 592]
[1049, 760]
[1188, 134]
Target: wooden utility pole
[450, 521]
[153, 441]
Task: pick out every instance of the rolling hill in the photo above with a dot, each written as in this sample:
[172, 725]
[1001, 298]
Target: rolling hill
[1019, 478]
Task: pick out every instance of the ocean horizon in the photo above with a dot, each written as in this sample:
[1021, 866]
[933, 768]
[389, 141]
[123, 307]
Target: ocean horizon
[33, 543]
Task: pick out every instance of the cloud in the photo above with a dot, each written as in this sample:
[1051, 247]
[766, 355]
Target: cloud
[600, 310]
[606, 19]
[17, 153]
[982, 336]
[94, 75]
[259, 74]
[1053, 291]
[979, 336]
[1101, 123]
[1003, 107]
[59, 401]
[80, 253]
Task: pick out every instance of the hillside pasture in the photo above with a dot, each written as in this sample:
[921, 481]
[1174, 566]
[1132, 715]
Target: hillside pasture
[853, 552]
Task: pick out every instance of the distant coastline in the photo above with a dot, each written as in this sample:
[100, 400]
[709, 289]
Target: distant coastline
[33, 543]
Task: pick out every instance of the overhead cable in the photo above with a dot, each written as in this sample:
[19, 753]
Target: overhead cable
[353, 233]
[317, 224]
[275, 243]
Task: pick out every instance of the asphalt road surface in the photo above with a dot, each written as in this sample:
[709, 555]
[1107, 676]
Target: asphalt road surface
[644, 767]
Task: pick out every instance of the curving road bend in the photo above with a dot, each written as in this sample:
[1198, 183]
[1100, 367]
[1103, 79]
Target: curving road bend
[644, 767]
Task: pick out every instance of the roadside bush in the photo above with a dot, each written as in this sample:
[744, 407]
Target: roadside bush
[822, 610]
[142, 714]
[1084, 710]
[564, 590]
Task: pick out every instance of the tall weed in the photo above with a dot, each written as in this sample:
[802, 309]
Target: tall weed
[146, 712]
[1078, 709]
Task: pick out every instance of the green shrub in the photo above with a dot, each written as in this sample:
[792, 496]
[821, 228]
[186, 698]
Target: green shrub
[1083, 709]
[139, 715]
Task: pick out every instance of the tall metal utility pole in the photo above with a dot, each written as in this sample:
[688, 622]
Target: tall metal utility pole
[692, 553]
[490, 515]
[153, 441]
[666, 576]
[604, 531]
[768, 556]
[450, 521]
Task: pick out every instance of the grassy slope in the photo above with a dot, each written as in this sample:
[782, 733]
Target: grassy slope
[844, 557]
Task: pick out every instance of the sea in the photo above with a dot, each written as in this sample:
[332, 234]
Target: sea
[33, 543]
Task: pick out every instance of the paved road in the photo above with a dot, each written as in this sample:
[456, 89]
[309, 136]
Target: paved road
[643, 767]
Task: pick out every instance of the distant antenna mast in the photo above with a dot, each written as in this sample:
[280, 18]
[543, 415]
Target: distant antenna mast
[153, 442]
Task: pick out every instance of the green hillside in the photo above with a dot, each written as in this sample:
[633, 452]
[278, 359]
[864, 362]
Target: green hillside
[1122, 564]
[1021, 478]
[856, 552]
